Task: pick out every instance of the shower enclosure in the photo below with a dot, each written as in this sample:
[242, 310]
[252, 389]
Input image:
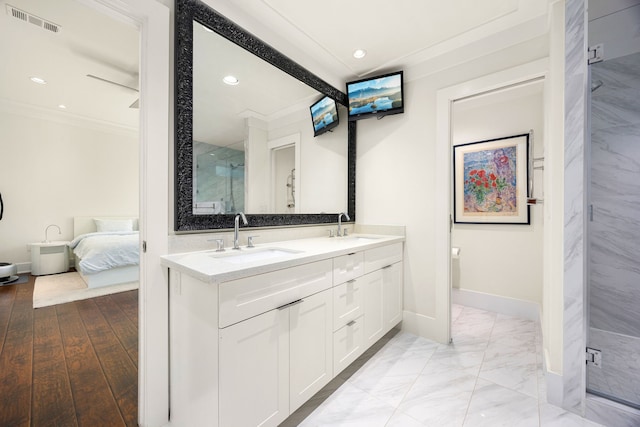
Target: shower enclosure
[219, 179]
[614, 231]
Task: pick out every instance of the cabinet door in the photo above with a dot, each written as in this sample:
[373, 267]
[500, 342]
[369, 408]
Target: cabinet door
[392, 295]
[254, 371]
[311, 346]
[373, 307]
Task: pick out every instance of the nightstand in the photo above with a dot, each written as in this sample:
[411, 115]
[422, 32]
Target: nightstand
[49, 258]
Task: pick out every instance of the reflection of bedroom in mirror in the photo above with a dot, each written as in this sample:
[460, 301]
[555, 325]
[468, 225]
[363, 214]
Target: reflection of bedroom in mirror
[70, 345]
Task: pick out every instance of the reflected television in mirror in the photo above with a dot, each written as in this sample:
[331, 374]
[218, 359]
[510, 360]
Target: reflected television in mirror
[376, 96]
[324, 115]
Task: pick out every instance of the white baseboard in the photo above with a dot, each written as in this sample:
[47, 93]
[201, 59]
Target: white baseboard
[497, 304]
[554, 387]
[419, 324]
[23, 267]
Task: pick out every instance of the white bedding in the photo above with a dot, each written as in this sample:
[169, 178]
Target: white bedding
[106, 250]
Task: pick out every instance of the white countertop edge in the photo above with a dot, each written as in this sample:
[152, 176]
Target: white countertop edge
[201, 266]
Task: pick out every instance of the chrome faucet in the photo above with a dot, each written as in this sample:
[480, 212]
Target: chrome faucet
[340, 215]
[236, 240]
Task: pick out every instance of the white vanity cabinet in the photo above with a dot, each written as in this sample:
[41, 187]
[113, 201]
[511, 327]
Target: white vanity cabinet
[382, 291]
[249, 349]
[272, 363]
[254, 371]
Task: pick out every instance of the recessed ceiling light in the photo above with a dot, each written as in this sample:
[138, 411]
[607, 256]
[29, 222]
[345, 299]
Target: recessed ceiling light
[38, 80]
[231, 80]
[62, 106]
[207, 29]
[359, 53]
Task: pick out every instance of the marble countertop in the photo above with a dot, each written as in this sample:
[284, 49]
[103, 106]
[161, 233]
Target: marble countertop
[217, 267]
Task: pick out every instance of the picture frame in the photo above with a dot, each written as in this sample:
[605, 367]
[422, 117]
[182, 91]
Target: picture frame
[491, 180]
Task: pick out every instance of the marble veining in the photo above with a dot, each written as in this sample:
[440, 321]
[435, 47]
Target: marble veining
[614, 233]
[574, 206]
[494, 379]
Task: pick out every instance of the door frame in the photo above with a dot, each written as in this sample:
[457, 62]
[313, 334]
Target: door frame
[152, 19]
[443, 198]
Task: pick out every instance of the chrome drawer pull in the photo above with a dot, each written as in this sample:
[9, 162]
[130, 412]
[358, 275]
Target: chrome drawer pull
[282, 307]
[353, 322]
[386, 266]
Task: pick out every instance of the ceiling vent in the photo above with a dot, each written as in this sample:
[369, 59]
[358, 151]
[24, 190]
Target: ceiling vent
[32, 19]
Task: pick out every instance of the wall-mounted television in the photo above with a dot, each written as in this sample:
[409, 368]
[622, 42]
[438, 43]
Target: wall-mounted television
[376, 96]
[324, 114]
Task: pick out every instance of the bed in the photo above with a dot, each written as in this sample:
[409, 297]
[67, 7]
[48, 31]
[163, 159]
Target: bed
[106, 249]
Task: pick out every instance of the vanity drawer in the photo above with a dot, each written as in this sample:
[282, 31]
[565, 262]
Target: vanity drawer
[347, 302]
[347, 267]
[247, 297]
[375, 259]
[348, 344]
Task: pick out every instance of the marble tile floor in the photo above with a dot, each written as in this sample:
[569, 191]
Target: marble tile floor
[490, 376]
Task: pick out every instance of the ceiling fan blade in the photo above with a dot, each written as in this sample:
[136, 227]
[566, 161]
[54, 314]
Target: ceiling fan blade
[112, 82]
[135, 104]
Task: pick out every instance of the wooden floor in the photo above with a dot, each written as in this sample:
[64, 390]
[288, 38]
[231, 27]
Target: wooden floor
[72, 364]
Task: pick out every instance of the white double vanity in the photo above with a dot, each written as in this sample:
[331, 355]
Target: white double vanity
[256, 332]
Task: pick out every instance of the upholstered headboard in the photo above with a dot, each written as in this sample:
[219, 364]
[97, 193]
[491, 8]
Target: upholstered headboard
[87, 224]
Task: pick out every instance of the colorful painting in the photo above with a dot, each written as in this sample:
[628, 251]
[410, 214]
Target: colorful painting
[491, 181]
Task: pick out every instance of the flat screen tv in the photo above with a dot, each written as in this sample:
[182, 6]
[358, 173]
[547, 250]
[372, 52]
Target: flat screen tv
[376, 96]
[324, 114]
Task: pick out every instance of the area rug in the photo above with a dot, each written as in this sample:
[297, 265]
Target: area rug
[67, 287]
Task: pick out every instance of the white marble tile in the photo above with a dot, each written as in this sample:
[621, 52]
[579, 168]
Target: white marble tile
[450, 389]
[391, 389]
[402, 420]
[449, 357]
[574, 201]
[350, 406]
[493, 405]
[511, 367]
[404, 355]
[439, 397]
[552, 416]
[456, 310]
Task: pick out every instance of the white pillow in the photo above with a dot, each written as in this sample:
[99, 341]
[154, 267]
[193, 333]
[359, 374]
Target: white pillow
[103, 225]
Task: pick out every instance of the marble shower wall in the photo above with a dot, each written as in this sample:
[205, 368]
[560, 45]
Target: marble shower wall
[573, 331]
[614, 233]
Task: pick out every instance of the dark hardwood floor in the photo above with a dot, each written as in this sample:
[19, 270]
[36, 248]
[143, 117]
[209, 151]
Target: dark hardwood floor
[71, 364]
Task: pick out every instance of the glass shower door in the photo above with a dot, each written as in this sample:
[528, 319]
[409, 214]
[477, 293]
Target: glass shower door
[614, 230]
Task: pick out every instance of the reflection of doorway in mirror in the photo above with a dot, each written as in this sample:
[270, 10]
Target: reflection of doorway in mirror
[284, 189]
[285, 174]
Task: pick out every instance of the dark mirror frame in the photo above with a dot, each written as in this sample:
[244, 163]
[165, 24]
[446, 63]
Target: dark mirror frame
[188, 11]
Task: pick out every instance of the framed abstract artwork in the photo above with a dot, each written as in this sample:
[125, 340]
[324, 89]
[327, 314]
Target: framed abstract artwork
[490, 181]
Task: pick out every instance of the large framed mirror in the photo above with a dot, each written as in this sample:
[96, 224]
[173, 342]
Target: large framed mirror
[250, 146]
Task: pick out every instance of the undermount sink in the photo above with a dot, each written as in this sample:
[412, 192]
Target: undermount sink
[253, 254]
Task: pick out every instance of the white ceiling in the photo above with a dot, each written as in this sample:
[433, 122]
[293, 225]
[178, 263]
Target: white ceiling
[89, 43]
[398, 34]
[419, 36]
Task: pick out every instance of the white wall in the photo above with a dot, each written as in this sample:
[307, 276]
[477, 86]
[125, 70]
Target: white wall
[322, 178]
[503, 260]
[396, 178]
[53, 170]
